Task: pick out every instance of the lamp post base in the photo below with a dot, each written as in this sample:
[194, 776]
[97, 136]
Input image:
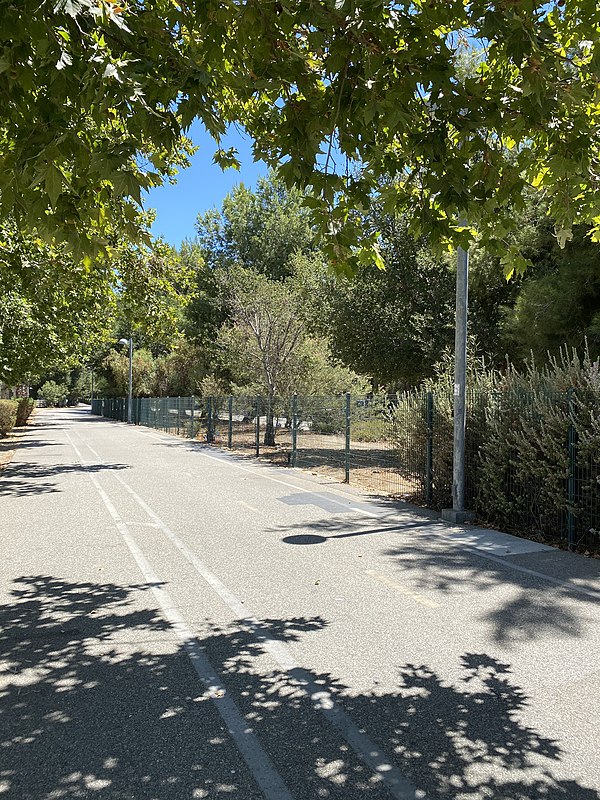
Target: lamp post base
[457, 517]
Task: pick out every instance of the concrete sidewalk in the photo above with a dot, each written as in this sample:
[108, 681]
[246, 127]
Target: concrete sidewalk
[176, 622]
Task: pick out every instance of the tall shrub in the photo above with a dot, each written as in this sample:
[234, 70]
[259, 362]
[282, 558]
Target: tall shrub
[55, 394]
[525, 461]
[25, 406]
[8, 416]
[410, 430]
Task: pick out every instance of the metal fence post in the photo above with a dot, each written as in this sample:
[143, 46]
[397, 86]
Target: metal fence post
[209, 425]
[230, 422]
[192, 404]
[257, 426]
[572, 457]
[178, 415]
[347, 448]
[429, 449]
[294, 429]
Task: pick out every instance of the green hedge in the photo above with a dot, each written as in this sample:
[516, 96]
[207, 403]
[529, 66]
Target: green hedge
[8, 416]
[25, 406]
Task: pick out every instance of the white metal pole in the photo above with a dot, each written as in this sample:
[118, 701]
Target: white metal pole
[130, 397]
[460, 379]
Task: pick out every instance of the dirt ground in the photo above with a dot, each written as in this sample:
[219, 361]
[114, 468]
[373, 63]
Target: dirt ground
[8, 446]
[372, 464]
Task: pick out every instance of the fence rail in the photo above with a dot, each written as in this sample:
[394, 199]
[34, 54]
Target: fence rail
[532, 460]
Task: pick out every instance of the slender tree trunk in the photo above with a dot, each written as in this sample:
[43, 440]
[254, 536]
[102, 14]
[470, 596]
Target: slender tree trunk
[269, 440]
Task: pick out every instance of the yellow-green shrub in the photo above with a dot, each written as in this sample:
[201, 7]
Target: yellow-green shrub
[8, 416]
[25, 406]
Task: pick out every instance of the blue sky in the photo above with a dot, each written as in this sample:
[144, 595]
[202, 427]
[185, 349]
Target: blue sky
[202, 186]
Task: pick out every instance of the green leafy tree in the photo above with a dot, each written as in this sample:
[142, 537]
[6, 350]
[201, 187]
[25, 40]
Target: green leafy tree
[86, 88]
[207, 309]
[262, 231]
[57, 313]
[116, 366]
[153, 286]
[55, 394]
[53, 310]
[391, 324]
[259, 230]
[340, 94]
[180, 372]
[559, 300]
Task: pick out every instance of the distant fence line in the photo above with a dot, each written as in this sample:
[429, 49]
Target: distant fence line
[532, 461]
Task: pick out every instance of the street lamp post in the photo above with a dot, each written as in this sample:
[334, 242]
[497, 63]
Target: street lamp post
[457, 514]
[130, 393]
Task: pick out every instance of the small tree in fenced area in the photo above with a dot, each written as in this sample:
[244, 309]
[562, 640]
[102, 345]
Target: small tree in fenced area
[268, 330]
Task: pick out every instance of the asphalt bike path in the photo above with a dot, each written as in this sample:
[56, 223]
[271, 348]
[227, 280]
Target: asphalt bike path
[182, 622]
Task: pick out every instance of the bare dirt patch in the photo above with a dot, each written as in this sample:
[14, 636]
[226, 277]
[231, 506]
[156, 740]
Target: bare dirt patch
[373, 465]
[8, 447]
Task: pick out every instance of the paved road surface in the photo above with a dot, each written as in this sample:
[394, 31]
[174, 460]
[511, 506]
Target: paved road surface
[179, 623]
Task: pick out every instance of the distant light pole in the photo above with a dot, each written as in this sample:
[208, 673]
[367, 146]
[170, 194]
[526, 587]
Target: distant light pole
[130, 394]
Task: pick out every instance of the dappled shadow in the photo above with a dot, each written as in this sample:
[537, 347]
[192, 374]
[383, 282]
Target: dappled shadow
[98, 701]
[553, 591]
[23, 479]
[542, 607]
[30, 444]
[98, 697]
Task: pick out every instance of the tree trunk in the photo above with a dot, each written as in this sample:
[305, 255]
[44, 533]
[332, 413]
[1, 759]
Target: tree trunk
[269, 440]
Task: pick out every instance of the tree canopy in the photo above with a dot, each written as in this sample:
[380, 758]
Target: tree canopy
[259, 229]
[353, 98]
[56, 311]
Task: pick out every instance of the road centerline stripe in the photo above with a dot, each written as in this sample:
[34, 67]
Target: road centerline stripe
[247, 743]
[400, 787]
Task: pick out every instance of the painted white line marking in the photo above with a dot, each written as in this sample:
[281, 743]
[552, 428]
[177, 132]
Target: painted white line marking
[142, 524]
[248, 506]
[345, 506]
[399, 587]
[255, 757]
[397, 784]
[440, 533]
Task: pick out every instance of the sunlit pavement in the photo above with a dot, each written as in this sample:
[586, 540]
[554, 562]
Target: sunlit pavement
[178, 622]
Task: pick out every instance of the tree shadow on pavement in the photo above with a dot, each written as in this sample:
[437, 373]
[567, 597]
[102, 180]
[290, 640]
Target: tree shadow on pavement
[25, 444]
[539, 608]
[98, 700]
[23, 479]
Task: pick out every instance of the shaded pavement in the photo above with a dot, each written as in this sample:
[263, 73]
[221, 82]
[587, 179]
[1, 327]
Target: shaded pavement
[176, 623]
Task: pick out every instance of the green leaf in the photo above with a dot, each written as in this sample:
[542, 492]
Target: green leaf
[53, 184]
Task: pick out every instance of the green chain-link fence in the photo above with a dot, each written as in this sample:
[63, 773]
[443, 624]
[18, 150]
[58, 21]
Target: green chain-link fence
[532, 459]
